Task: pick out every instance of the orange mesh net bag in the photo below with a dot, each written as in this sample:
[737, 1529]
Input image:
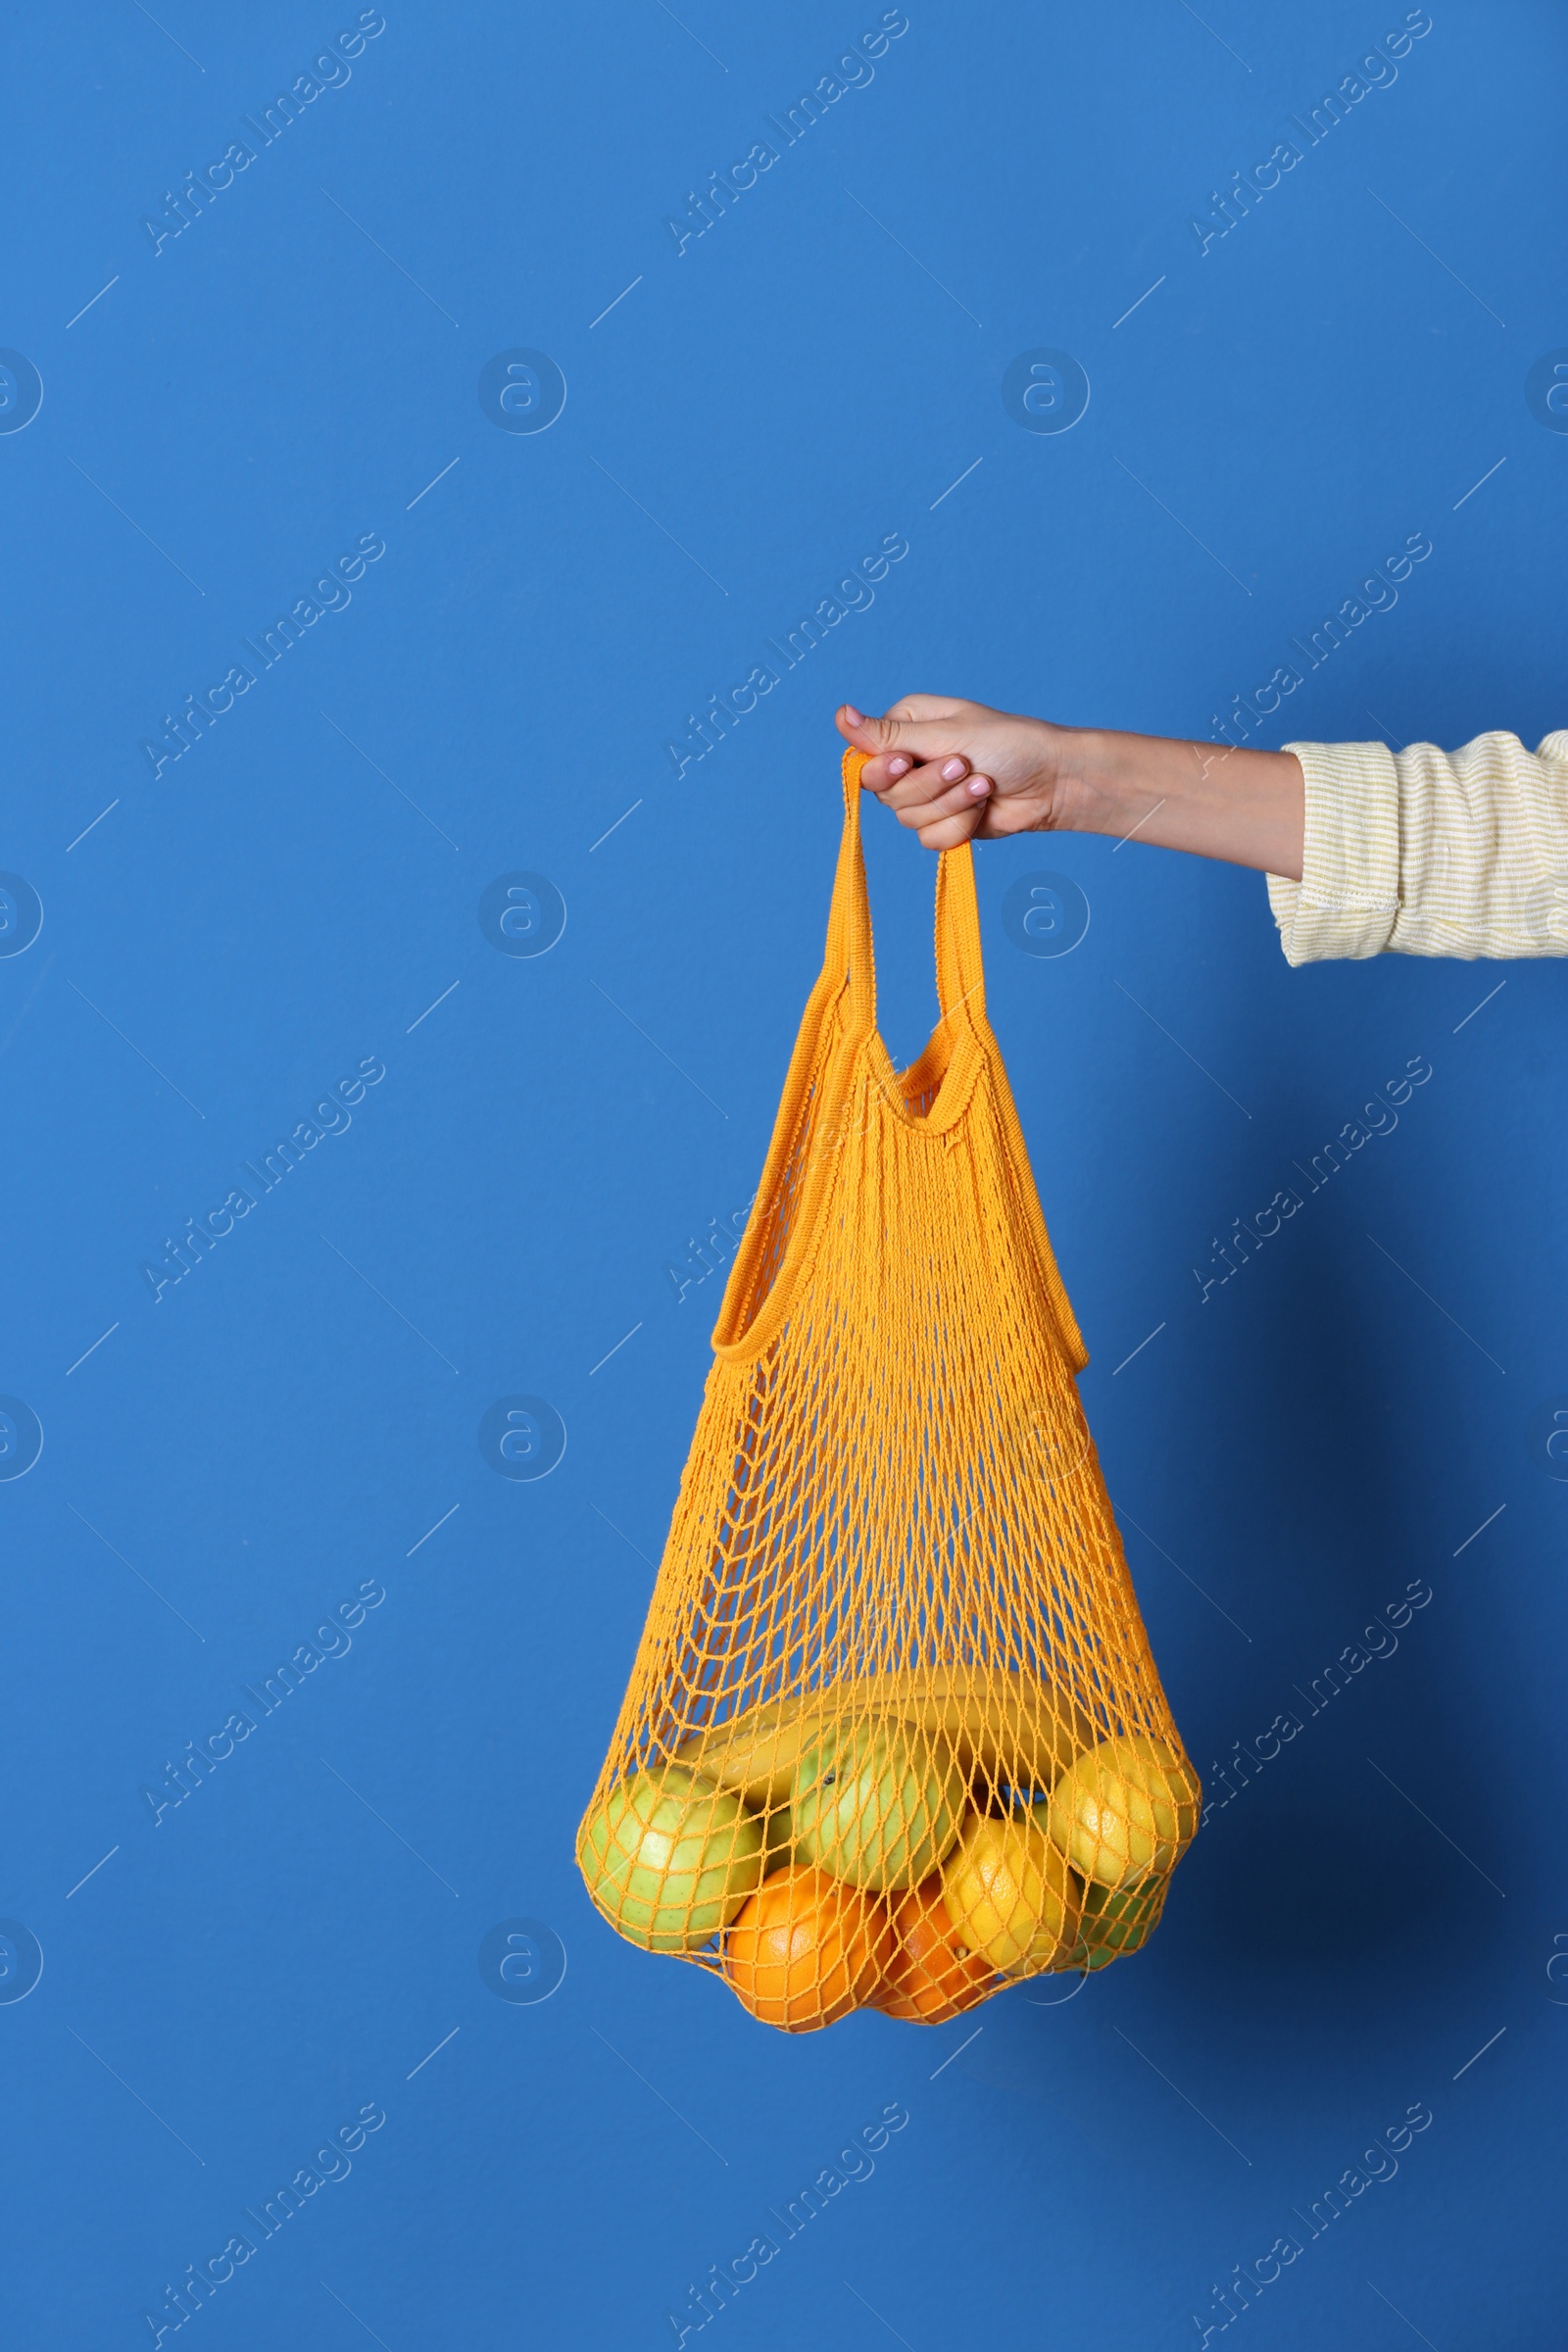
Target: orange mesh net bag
[893, 1737]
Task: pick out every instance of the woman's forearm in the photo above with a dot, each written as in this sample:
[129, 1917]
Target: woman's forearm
[1246, 806]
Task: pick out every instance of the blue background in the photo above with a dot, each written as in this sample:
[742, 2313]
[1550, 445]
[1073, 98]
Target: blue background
[744, 420]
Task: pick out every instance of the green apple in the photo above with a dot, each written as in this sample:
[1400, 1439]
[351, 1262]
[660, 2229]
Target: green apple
[779, 1838]
[670, 1857]
[875, 1803]
[1113, 1924]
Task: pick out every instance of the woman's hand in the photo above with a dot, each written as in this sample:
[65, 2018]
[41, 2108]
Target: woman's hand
[958, 771]
[953, 770]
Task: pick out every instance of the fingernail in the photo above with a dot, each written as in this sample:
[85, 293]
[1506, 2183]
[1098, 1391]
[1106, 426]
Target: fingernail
[951, 770]
[979, 786]
[856, 717]
[898, 767]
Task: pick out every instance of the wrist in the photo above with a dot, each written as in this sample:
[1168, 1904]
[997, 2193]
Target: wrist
[1096, 788]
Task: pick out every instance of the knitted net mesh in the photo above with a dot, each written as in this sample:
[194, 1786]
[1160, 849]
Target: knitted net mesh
[892, 1735]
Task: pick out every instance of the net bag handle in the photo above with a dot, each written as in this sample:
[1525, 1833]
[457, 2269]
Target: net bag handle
[960, 968]
[849, 922]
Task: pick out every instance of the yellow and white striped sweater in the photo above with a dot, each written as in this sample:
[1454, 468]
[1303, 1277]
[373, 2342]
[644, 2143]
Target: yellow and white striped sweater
[1429, 853]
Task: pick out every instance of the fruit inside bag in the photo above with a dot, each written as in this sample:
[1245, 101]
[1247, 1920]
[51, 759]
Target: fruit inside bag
[894, 1736]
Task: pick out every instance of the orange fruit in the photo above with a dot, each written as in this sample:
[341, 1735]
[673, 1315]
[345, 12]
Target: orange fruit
[806, 1949]
[931, 1979]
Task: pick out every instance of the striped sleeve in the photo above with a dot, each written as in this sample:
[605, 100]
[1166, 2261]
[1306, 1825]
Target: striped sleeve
[1429, 853]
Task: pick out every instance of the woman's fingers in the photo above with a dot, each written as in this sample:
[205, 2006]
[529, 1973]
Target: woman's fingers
[920, 728]
[948, 832]
[940, 788]
[940, 812]
[900, 782]
[917, 768]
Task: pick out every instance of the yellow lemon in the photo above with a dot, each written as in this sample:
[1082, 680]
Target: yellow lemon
[1009, 1895]
[1126, 1811]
